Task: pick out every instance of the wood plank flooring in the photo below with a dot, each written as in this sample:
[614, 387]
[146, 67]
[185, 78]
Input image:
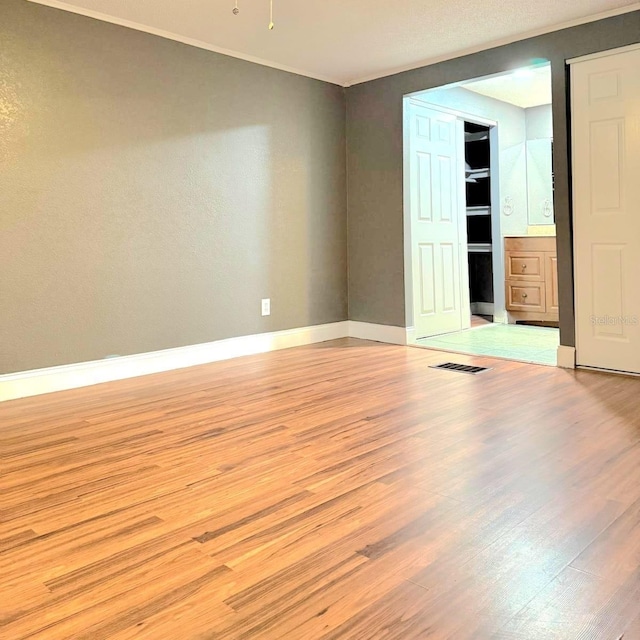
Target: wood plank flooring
[339, 491]
[479, 321]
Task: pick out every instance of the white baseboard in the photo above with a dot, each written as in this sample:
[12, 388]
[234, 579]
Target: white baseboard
[31, 383]
[566, 357]
[83, 374]
[377, 332]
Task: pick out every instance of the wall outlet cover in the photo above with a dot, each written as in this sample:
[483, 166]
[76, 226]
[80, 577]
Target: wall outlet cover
[266, 306]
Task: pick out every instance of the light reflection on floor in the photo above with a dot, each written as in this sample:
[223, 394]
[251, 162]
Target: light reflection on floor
[538, 345]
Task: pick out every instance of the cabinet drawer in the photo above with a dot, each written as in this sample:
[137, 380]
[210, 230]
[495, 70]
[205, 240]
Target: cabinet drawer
[526, 296]
[525, 265]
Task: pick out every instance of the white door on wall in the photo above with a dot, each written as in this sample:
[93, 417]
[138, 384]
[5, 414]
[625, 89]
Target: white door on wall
[605, 109]
[438, 227]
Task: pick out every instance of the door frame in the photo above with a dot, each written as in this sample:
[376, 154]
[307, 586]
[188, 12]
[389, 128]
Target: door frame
[497, 252]
[603, 54]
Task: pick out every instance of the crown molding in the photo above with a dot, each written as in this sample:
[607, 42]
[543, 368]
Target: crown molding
[498, 43]
[64, 6]
[104, 17]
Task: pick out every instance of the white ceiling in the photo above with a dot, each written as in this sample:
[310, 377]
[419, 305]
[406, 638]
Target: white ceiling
[345, 41]
[524, 87]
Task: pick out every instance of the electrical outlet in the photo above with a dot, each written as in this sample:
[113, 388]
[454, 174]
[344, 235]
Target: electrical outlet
[266, 306]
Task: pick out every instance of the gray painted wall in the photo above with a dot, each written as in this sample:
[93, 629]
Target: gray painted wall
[152, 193]
[375, 158]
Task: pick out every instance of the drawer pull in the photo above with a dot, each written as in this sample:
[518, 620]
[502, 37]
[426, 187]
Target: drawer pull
[524, 295]
[524, 266]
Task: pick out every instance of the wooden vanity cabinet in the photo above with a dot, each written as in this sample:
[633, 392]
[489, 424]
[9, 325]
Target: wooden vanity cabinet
[531, 278]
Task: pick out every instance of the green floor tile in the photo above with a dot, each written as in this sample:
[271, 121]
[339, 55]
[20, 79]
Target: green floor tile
[529, 344]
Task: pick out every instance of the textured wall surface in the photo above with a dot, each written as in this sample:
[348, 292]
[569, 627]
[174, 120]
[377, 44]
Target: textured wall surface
[152, 193]
[375, 159]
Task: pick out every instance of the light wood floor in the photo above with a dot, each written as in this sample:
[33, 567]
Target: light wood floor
[344, 490]
[479, 321]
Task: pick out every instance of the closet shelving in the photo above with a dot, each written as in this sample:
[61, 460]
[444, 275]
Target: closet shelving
[478, 207]
[483, 210]
[479, 247]
[473, 175]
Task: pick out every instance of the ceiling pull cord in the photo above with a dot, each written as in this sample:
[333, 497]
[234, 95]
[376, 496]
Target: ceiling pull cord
[236, 11]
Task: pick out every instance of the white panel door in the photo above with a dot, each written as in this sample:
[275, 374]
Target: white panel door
[605, 107]
[438, 239]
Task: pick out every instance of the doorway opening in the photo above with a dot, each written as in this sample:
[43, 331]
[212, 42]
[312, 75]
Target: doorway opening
[480, 249]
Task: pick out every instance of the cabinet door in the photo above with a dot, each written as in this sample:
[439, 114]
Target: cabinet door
[551, 281]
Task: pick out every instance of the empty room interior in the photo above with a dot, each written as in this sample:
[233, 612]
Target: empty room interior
[319, 321]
